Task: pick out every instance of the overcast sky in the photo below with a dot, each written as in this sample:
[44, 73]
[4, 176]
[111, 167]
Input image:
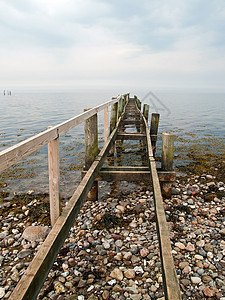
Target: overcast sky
[70, 44]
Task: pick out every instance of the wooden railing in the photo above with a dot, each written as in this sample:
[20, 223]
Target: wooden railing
[14, 154]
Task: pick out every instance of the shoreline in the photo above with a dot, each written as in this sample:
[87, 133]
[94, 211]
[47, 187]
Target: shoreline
[196, 219]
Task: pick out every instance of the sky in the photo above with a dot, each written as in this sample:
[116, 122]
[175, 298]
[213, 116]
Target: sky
[81, 44]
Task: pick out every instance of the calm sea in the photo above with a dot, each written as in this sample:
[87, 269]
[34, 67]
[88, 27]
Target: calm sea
[190, 116]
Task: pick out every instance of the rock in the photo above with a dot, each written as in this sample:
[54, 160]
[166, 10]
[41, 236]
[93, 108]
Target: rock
[198, 257]
[200, 243]
[2, 292]
[183, 264]
[24, 253]
[208, 247]
[119, 256]
[138, 270]
[15, 276]
[3, 234]
[153, 288]
[134, 250]
[206, 279]
[132, 290]
[105, 295]
[59, 288]
[121, 208]
[195, 280]
[135, 259]
[71, 262]
[119, 243]
[35, 233]
[210, 197]
[127, 255]
[130, 274]
[137, 297]
[81, 283]
[208, 292]
[1, 259]
[117, 274]
[222, 231]
[187, 270]
[142, 201]
[180, 245]
[190, 247]
[106, 245]
[144, 252]
[209, 255]
[117, 289]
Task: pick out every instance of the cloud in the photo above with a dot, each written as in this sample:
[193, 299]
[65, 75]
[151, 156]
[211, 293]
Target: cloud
[62, 42]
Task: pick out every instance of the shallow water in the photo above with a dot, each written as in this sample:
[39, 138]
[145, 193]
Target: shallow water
[192, 117]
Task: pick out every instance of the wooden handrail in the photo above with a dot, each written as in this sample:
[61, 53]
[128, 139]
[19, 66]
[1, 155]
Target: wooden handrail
[13, 154]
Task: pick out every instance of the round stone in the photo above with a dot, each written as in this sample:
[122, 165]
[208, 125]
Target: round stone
[35, 233]
[117, 274]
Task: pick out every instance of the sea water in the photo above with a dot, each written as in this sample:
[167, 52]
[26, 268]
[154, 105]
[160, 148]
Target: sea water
[189, 116]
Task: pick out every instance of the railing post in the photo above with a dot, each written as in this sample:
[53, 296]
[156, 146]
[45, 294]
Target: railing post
[167, 161]
[120, 107]
[53, 167]
[106, 124]
[113, 116]
[91, 150]
[146, 111]
[154, 130]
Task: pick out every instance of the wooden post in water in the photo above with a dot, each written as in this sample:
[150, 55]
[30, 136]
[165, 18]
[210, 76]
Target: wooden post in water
[146, 111]
[91, 150]
[53, 167]
[154, 130]
[167, 161]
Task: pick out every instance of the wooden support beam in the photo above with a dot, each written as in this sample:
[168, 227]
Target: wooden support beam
[133, 174]
[131, 136]
[131, 122]
[53, 170]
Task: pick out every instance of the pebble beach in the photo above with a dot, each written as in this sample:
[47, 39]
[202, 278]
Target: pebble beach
[112, 251]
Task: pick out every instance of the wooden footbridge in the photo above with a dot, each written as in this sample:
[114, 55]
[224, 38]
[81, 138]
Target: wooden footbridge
[127, 123]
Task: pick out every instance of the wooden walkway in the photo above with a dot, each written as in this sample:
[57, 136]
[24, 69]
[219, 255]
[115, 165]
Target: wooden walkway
[127, 123]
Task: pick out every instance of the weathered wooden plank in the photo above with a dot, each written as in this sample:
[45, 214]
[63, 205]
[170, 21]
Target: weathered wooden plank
[12, 155]
[34, 277]
[170, 281]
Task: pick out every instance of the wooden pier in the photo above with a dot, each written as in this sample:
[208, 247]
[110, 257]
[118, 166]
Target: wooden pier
[127, 123]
